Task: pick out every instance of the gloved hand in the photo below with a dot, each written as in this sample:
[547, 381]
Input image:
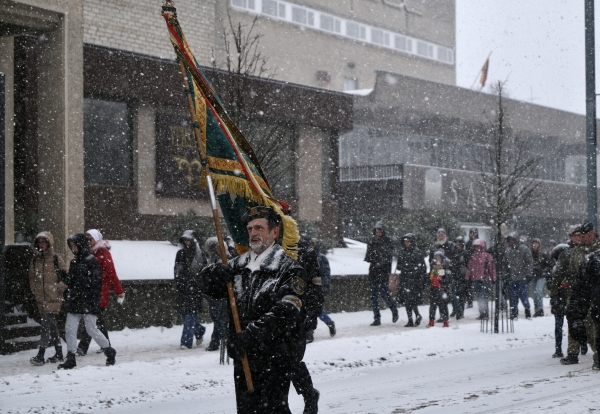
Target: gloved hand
[222, 273]
[240, 343]
[121, 298]
[577, 331]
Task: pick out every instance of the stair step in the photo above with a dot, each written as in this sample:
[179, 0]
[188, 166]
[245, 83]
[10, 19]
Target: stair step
[21, 330]
[20, 344]
[13, 319]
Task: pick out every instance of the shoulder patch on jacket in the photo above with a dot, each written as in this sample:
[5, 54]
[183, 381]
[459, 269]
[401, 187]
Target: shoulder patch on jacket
[298, 285]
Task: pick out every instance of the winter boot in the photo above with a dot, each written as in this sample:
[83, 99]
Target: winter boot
[70, 362]
[431, 323]
[538, 313]
[446, 324]
[81, 352]
[331, 326]
[410, 324]
[584, 349]
[310, 336]
[38, 360]
[395, 315]
[596, 366]
[376, 322]
[311, 402]
[453, 313]
[58, 356]
[440, 320]
[569, 360]
[213, 346]
[418, 320]
[527, 314]
[558, 353]
[110, 355]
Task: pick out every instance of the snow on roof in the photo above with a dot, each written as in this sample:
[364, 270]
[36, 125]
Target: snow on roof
[151, 260]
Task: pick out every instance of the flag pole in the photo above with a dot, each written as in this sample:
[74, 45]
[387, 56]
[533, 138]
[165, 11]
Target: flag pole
[215, 211]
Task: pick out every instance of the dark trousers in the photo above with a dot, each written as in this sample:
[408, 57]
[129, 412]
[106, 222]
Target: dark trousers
[218, 313]
[436, 299]
[299, 374]
[411, 302]
[559, 320]
[517, 290]
[380, 289]
[271, 387]
[482, 293]
[86, 339]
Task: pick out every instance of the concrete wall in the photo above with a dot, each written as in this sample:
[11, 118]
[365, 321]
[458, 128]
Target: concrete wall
[298, 53]
[7, 67]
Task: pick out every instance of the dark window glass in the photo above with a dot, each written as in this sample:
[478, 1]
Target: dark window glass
[107, 143]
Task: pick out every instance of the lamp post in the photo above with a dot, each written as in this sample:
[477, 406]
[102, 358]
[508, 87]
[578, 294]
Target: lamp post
[590, 111]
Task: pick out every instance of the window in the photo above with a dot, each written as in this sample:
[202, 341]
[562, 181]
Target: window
[377, 36]
[445, 54]
[326, 23]
[350, 84]
[245, 4]
[269, 7]
[107, 144]
[299, 15]
[353, 30]
[282, 11]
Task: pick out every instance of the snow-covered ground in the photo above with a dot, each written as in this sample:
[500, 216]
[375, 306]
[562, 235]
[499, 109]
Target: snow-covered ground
[386, 369]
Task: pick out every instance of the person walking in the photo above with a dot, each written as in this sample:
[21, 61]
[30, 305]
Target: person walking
[461, 283]
[520, 268]
[84, 287]
[46, 274]
[325, 272]
[481, 271]
[217, 308]
[439, 275]
[189, 261]
[542, 266]
[100, 248]
[558, 300]
[411, 271]
[380, 254]
[269, 289]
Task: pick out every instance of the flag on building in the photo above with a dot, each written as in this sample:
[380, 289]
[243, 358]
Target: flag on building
[238, 179]
[484, 72]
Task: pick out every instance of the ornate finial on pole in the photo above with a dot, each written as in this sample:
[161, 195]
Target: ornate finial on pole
[169, 6]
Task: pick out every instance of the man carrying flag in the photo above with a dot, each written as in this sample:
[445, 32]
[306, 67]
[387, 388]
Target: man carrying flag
[268, 287]
[265, 279]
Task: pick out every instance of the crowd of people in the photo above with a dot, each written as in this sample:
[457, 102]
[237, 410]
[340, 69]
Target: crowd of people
[462, 273]
[279, 300]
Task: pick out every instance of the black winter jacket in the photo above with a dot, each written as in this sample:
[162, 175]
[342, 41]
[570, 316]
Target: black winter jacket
[187, 281]
[380, 251]
[84, 279]
[411, 265]
[585, 293]
[313, 297]
[270, 305]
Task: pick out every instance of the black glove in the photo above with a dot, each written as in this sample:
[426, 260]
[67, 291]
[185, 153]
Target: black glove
[240, 343]
[222, 273]
[577, 331]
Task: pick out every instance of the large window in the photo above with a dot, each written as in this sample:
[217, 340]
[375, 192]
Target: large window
[107, 143]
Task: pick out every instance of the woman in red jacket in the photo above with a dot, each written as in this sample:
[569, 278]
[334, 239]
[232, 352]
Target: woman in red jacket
[110, 282]
[481, 270]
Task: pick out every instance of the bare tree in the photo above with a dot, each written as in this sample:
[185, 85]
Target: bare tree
[245, 64]
[509, 170]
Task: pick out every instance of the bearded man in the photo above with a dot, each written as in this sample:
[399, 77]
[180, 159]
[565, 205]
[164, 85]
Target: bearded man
[268, 287]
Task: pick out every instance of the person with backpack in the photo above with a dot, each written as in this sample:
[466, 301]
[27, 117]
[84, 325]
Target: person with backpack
[84, 285]
[100, 248]
[46, 274]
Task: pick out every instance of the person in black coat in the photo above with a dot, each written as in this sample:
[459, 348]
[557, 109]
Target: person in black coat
[84, 285]
[411, 268]
[461, 284]
[380, 254]
[188, 264]
[269, 291]
[313, 305]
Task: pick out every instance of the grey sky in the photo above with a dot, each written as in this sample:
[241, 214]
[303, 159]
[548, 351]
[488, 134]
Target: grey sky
[536, 45]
